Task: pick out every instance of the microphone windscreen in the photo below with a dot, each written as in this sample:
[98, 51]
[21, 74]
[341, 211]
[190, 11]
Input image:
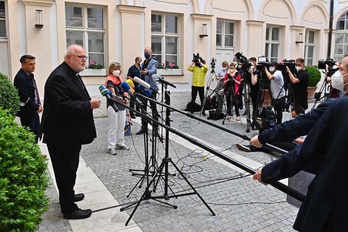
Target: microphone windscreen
[130, 83]
[125, 86]
[141, 82]
[103, 90]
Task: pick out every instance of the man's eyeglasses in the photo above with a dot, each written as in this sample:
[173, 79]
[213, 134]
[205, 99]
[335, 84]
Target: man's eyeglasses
[81, 57]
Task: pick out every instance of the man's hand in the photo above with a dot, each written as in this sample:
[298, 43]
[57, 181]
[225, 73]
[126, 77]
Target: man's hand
[40, 109]
[95, 103]
[257, 176]
[287, 69]
[254, 141]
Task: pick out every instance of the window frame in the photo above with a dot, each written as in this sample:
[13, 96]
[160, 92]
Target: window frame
[344, 33]
[5, 38]
[310, 44]
[223, 34]
[270, 42]
[85, 30]
[164, 35]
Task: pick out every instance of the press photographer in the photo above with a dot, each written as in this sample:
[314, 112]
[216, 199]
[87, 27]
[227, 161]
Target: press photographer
[330, 67]
[232, 81]
[199, 70]
[299, 83]
[277, 90]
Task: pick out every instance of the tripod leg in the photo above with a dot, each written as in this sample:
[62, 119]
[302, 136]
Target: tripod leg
[247, 105]
[195, 191]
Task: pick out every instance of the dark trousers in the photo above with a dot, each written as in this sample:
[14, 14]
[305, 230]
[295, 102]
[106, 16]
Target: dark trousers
[65, 161]
[278, 108]
[153, 106]
[232, 101]
[194, 91]
[32, 122]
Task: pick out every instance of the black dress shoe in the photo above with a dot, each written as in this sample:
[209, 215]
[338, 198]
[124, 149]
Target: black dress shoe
[79, 197]
[78, 214]
[140, 132]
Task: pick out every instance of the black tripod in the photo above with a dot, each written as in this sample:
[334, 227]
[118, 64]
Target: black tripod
[159, 175]
[211, 78]
[230, 93]
[322, 89]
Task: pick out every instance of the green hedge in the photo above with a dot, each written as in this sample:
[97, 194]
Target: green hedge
[314, 75]
[23, 177]
[9, 98]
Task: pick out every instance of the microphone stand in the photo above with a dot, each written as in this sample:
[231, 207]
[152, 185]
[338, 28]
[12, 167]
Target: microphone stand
[147, 193]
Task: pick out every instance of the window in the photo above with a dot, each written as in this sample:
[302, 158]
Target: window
[165, 38]
[309, 48]
[2, 20]
[341, 40]
[85, 26]
[225, 34]
[272, 43]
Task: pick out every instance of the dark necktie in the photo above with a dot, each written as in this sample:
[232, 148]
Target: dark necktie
[36, 92]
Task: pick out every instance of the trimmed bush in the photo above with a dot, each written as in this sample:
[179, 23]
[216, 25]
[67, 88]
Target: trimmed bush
[314, 75]
[9, 98]
[23, 177]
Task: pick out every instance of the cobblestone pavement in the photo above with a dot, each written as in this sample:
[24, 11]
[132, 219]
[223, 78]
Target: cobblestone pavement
[240, 203]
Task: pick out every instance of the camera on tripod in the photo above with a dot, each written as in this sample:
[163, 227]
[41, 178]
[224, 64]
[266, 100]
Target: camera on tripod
[197, 60]
[243, 62]
[212, 63]
[331, 64]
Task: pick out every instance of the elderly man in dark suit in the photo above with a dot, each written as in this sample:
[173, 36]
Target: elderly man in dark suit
[67, 123]
[324, 208]
[30, 105]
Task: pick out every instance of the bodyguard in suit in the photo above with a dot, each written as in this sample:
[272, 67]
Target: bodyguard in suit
[67, 123]
[325, 205]
[30, 105]
[148, 68]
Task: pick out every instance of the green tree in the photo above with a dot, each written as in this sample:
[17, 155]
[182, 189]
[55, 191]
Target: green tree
[314, 75]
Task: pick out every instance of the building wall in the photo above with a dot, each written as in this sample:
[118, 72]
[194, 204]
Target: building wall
[128, 31]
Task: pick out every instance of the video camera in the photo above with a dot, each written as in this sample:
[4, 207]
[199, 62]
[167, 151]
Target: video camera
[196, 59]
[243, 62]
[332, 68]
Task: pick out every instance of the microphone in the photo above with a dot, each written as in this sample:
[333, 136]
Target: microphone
[126, 88]
[130, 83]
[108, 94]
[157, 77]
[143, 83]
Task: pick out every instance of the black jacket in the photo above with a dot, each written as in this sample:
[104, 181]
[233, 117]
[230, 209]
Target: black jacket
[26, 91]
[67, 118]
[325, 206]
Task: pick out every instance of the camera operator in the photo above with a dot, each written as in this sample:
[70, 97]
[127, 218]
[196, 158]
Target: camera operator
[254, 88]
[199, 70]
[300, 83]
[324, 207]
[220, 85]
[334, 93]
[277, 90]
[232, 81]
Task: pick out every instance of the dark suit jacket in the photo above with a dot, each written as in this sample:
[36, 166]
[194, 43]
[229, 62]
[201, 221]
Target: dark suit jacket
[67, 118]
[326, 203]
[25, 87]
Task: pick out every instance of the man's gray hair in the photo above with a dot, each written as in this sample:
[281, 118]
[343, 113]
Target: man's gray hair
[71, 49]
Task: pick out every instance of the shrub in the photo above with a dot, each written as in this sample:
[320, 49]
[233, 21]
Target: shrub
[23, 177]
[314, 75]
[9, 98]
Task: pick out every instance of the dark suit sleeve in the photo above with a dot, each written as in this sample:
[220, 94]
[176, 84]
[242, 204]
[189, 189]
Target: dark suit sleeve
[63, 98]
[24, 95]
[292, 129]
[312, 149]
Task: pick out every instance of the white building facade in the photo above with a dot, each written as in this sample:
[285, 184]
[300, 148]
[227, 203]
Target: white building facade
[119, 30]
